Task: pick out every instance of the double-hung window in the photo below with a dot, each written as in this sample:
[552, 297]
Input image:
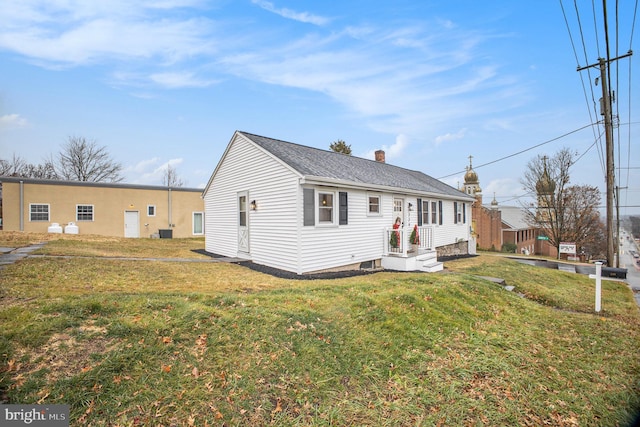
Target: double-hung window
[425, 211]
[434, 212]
[460, 216]
[325, 208]
[84, 212]
[374, 204]
[38, 212]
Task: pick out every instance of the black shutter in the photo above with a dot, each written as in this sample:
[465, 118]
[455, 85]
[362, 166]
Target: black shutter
[344, 209]
[440, 212]
[309, 210]
[464, 213]
[455, 212]
[419, 212]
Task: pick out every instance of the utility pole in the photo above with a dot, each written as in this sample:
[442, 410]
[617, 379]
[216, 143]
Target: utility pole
[608, 127]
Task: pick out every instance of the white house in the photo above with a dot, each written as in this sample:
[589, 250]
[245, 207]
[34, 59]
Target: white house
[304, 210]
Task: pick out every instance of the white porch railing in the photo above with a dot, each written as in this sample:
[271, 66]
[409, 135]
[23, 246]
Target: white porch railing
[397, 242]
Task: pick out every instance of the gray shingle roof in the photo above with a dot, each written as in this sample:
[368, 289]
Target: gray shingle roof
[313, 162]
[514, 217]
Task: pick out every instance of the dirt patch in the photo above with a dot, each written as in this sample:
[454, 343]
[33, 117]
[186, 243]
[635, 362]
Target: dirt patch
[65, 354]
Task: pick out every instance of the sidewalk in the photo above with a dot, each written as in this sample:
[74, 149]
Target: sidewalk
[11, 255]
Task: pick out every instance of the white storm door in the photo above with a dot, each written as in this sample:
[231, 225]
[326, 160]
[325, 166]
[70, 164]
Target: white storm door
[131, 224]
[243, 222]
[398, 210]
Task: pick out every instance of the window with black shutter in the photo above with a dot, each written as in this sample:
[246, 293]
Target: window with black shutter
[455, 212]
[309, 210]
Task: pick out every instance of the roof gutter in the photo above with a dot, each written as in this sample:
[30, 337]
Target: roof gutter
[315, 180]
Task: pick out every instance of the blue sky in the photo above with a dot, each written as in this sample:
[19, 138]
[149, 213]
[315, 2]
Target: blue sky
[168, 82]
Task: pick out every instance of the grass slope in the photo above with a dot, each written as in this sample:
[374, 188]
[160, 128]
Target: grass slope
[156, 343]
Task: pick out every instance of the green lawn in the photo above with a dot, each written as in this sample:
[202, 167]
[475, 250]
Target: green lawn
[164, 343]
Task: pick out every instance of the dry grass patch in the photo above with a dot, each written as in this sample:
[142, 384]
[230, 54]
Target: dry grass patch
[171, 343]
[64, 355]
[105, 246]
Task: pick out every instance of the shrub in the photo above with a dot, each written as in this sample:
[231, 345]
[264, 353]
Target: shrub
[509, 247]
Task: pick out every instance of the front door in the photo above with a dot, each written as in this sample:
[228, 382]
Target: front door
[398, 210]
[243, 222]
[131, 224]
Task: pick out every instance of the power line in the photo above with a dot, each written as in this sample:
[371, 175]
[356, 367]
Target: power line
[582, 82]
[520, 152]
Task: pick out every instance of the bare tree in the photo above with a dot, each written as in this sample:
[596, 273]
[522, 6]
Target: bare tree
[82, 160]
[13, 167]
[18, 167]
[45, 170]
[170, 177]
[548, 179]
[340, 146]
[582, 220]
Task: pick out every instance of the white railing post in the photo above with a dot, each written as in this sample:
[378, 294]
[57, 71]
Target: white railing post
[598, 286]
[405, 240]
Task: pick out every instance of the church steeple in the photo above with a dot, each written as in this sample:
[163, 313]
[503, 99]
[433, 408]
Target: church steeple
[494, 202]
[545, 187]
[471, 183]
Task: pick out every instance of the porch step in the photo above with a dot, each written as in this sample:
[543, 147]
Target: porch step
[427, 262]
[432, 267]
[427, 256]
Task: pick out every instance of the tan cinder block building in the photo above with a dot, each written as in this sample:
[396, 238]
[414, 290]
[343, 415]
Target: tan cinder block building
[108, 209]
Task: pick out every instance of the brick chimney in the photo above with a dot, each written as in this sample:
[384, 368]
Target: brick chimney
[380, 156]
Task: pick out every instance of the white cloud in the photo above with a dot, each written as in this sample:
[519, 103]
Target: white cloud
[429, 73]
[417, 88]
[143, 165]
[393, 151]
[77, 33]
[305, 17]
[178, 80]
[12, 121]
[149, 171]
[507, 191]
[450, 136]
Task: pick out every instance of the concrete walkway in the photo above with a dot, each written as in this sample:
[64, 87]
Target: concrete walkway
[11, 255]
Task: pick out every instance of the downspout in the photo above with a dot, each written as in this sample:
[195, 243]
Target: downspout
[169, 210]
[299, 222]
[21, 205]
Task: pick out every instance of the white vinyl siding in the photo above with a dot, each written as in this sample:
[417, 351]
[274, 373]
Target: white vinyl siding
[273, 226]
[283, 236]
[361, 240]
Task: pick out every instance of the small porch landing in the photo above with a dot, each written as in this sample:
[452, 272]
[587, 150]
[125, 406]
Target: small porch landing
[426, 261]
[408, 249]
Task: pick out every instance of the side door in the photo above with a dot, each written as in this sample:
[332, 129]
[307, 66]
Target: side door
[132, 224]
[243, 222]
